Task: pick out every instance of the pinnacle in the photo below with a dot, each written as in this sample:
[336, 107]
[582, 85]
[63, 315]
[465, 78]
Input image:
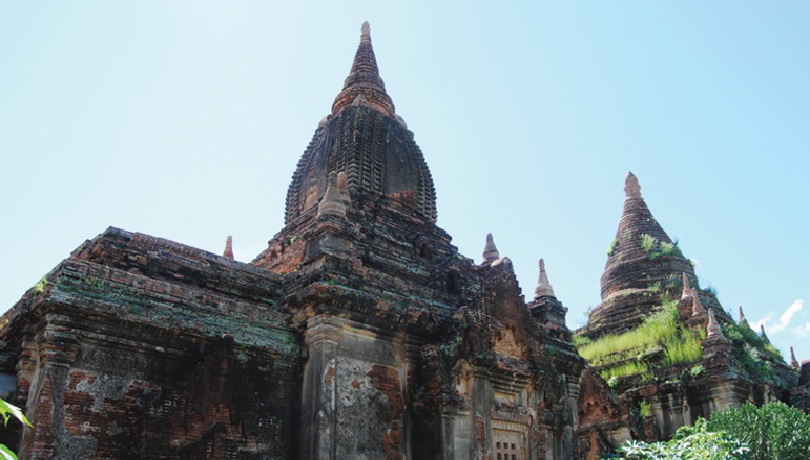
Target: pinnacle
[332, 202]
[228, 253]
[713, 328]
[491, 253]
[543, 288]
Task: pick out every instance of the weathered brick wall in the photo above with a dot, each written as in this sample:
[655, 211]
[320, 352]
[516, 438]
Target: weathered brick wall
[141, 348]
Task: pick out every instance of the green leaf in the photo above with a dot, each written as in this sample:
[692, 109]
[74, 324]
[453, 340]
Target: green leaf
[6, 453]
[6, 409]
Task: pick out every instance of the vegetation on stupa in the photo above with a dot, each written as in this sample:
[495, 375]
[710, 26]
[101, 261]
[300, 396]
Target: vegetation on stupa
[660, 340]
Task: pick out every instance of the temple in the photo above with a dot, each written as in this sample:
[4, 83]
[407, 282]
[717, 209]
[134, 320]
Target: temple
[362, 332]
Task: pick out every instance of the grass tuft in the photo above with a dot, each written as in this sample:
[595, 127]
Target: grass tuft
[631, 353]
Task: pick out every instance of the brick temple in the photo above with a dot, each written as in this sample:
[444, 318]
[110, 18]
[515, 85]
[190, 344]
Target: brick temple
[359, 333]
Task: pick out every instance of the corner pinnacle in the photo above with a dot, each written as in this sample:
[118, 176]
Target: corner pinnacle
[491, 253]
[543, 288]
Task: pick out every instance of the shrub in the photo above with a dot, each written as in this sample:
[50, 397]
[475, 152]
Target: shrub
[773, 431]
[689, 443]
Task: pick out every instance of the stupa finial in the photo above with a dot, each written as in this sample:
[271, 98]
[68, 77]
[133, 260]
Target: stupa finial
[365, 32]
[543, 286]
[631, 187]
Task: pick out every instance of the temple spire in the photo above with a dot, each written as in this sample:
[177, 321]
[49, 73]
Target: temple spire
[543, 286]
[364, 86]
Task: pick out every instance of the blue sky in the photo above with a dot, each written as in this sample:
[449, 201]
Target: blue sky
[185, 120]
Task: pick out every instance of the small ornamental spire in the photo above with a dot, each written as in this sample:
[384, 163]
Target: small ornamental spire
[365, 32]
[687, 291]
[713, 329]
[697, 307]
[343, 188]
[762, 333]
[332, 202]
[491, 253]
[228, 253]
[543, 287]
[743, 319]
[793, 362]
[631, 187]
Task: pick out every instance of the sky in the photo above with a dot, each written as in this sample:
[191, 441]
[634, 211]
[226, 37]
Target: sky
[185, 120]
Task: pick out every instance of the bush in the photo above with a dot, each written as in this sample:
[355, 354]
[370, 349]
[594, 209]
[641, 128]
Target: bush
[689, 443]
[774, 431]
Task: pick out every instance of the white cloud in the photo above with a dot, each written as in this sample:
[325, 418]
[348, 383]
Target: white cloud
[784, 320]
